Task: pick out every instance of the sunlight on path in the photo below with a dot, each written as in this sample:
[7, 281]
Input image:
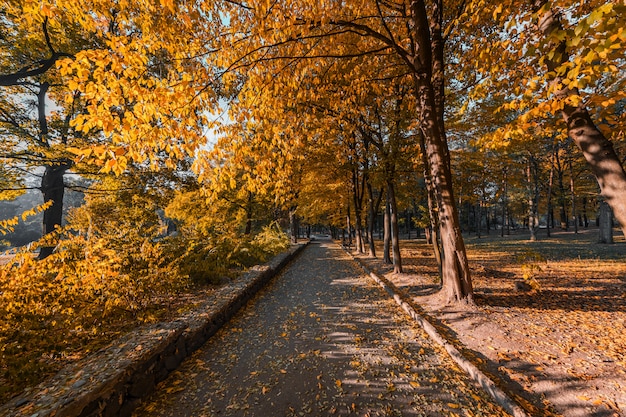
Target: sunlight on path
[321, 340]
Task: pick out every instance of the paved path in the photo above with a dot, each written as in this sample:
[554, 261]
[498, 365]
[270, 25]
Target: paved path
[321, 340]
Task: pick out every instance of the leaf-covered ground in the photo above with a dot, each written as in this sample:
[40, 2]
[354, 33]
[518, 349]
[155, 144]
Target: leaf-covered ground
[321, 340]
[565, 340]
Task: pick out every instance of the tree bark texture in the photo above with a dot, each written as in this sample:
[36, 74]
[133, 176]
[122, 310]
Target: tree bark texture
[456, 280]
[428, 77]
[53, 189]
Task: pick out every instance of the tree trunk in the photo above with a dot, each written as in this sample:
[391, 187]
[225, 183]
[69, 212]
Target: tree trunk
[533, 197]
[606, 223]
[478, 218]
[573, 194]
[561, 199]
[395, 233]
[505, 190]
[407, 225]
[597, 149]
[293, 224]
[358, 202]
[487, 219]
[248, 229]
[349, 226]
[387, 233]
[549, 198]
[53, 189]
[456, 282]
[433, 235]
[370, 220]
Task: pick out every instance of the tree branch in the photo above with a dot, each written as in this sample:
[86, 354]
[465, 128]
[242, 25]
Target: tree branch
[43, 65]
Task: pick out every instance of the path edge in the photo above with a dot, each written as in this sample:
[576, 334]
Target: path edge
[113, 381]
[484, 381]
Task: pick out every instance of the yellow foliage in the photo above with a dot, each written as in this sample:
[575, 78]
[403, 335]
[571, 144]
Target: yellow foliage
[7, 226]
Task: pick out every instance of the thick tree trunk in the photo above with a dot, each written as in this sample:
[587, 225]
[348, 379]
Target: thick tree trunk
[456, 283]
[53, 189]
[597, 149]
[395, 233]
[601, 156]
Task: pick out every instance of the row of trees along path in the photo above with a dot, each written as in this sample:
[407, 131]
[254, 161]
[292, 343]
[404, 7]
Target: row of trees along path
[321, 340]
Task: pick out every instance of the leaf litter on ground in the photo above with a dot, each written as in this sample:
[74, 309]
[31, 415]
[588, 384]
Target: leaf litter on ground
[560, 348]
[332, 343]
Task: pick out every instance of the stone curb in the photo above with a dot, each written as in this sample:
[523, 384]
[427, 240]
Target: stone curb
[487, 384]
[112, 381]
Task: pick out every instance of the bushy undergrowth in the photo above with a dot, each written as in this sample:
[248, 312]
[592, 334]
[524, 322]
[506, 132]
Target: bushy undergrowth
[207, 260]
[99, 283]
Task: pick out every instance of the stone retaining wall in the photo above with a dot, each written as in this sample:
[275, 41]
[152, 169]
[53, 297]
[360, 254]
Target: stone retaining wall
[113, 381]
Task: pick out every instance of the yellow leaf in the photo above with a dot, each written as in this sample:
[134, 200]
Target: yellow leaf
[497, 11]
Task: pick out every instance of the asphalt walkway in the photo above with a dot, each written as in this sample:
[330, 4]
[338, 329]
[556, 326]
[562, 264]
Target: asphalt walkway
[322, 339]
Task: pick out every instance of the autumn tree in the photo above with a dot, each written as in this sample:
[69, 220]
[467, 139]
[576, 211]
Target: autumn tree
[406, 37]
[97, 72]
[568, 61]
[33, 133]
